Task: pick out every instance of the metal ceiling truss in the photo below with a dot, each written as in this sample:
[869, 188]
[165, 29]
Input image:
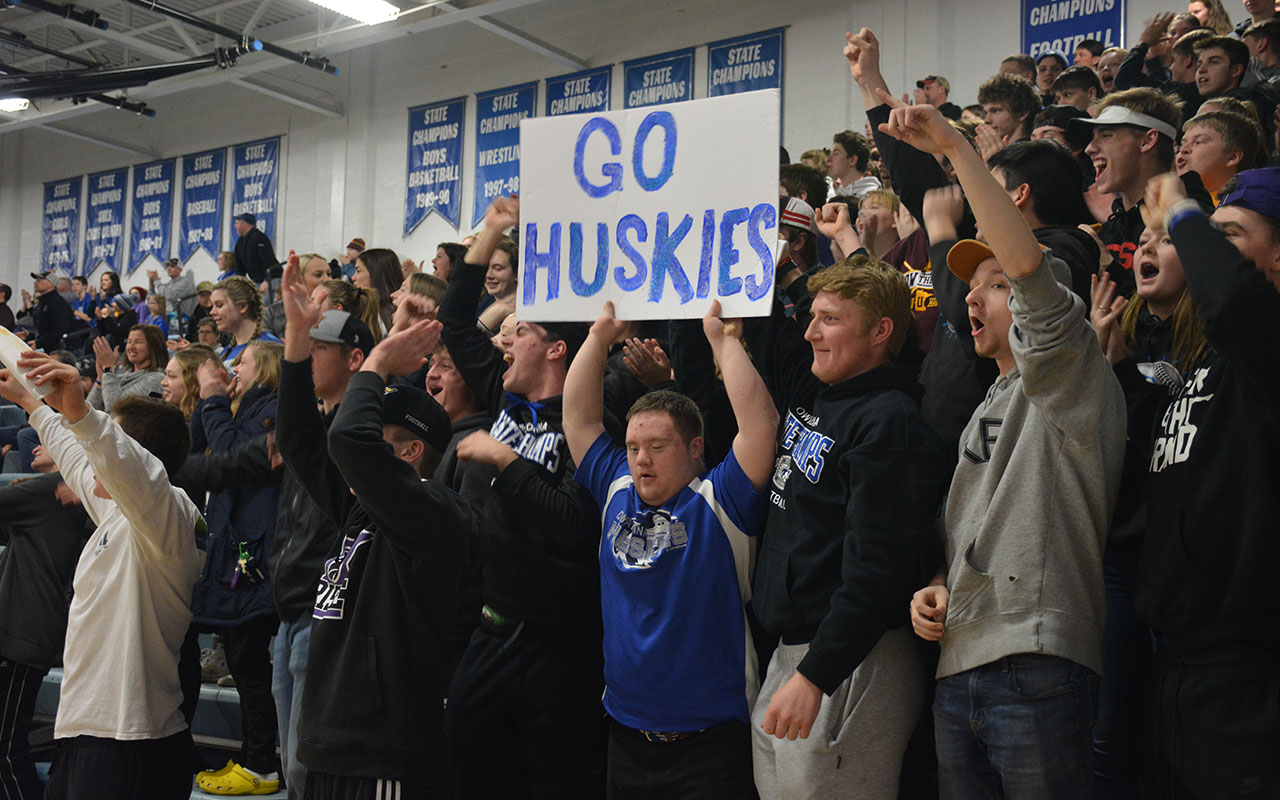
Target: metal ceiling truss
[286, 31]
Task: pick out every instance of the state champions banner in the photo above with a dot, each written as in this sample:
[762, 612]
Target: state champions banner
[664, 78]
[585, 92]
[60, 225]
[104, 220]
[1061, 26]
[255, 180]
[200, 215]
[433, 179]
[633, 206]
[498, 115]
[745, 63]
[152, 214]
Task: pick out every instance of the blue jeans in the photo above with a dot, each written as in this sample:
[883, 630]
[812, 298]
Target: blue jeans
[293, 641]
[1020, 727]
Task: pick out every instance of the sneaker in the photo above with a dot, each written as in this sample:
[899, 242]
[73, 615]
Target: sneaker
[213, 663]
[227, 680]
[234, 779]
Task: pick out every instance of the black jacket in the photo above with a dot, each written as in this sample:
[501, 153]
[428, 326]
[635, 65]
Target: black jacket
[539, 546]
[305, 530]
[1136, 70]
[51, 314]
[391, 616]
[1078, 250]
[469, 479]
[1211, 541]
[854, 494]
[42, 542]
[254, 255]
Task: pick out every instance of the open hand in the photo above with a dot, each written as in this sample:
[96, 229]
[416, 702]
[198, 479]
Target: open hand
[404, 351]
[66, 394]
[213, 379]
[647, 361]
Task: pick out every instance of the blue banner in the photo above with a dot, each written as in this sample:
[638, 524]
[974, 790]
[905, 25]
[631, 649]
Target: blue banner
[200, 218]
[152, 216]
[498, 115]
[1062, 25]
[745, 63]
[104, 220]
[60, 226]
[255, 179]
[433, 181]
[665, 78]
[581, 92]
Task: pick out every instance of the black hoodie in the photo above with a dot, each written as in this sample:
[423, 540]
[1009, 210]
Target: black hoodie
[391, 617]
[1121, 231]
[853, 499]
[538, 544]
[1211, 541]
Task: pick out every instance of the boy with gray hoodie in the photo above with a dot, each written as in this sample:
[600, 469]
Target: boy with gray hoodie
[1019, 610]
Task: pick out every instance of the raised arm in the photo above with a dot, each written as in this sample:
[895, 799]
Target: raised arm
[1006, 231]
[752, 405]
[481, 365]
[584, 385]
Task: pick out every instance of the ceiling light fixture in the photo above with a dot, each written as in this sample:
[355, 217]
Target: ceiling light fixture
[370, 12]
[11, 105]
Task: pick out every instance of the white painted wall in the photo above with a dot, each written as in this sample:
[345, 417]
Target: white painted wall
[345, 177]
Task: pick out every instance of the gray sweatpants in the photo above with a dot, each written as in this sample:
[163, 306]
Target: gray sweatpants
[856, 745]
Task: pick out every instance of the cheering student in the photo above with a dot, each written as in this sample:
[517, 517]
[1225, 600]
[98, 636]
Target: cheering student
[678, 686]
[1019, 608]
[120, 732]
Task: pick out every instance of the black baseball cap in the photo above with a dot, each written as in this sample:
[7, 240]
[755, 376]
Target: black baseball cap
[414, 410]
[341, 327]
[248, 218]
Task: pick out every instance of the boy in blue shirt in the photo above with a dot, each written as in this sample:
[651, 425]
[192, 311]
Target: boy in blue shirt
[675, 562]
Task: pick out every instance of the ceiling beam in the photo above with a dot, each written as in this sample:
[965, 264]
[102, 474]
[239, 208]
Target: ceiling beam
[256, 17]
[84, 137]
[314, 106]
[185, 37]
[354, 38]
[523, 39]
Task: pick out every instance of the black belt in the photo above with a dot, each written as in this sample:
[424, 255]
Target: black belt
[667, 737]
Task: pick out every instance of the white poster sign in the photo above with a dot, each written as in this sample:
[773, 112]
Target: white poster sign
[659, 209]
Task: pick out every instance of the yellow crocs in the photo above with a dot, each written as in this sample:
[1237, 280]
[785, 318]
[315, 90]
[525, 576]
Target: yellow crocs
[234, 779]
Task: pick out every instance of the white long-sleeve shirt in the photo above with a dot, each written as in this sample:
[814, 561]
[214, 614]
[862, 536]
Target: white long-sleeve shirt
[132, 604]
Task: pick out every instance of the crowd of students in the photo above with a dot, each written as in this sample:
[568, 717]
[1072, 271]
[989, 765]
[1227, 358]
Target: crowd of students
[985, 507]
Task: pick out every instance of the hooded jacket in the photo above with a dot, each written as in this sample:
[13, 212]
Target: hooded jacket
[853, 498]
[528, 573]
[391, 613]
[1211, 542]
[1032, 495]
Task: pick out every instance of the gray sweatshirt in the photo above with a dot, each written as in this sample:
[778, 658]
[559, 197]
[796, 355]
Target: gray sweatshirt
[117, 383]
[1032, 495]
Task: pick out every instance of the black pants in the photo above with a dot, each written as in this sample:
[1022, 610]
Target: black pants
[189, 673]
[19, 685]
[524, 718]
[322, 786]
[1214, 721]
[249, 661]
[712, 765]
[88, 768]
